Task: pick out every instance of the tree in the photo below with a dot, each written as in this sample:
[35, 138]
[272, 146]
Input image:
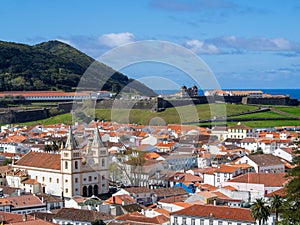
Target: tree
[276, 202]
[136, 165]
[291, 207]
[260, 211]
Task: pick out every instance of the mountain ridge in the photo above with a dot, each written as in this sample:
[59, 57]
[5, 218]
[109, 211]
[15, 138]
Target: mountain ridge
[54, 65]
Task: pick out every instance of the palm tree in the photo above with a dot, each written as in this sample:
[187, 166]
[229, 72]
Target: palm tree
[260, 211]
[276, 202]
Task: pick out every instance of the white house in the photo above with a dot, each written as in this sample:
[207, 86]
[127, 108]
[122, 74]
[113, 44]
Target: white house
[250, 143]
[258, 184]
[263, 163]
[14, 144]
[285, 153]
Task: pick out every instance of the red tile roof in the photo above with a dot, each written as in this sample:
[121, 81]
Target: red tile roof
[40, 160]
[13, 218]
[280, 192]
[268, 179]
[23, 200]
[218, 212]
[137, 217]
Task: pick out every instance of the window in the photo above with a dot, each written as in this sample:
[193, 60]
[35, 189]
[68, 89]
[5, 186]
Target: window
[43, 179]
[66, 154]
[66, 165]
[57, 180]
[202, 222]
[66, 180]
[76, 165]
[239, 224]
[76, 180]
[211, 222]
[67, 190]
[184, 221]
[90, 178]
[103, 162]
[175, 220]
[193, 221]
[95, 178]
[50, 179]
[220, 222]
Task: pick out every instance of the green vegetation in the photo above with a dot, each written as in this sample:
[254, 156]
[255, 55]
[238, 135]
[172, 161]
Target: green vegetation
[291, 205]
[63, 118]
[260, 211]
[293, 110]
[178, 115]
[54, 65]
[262, 115]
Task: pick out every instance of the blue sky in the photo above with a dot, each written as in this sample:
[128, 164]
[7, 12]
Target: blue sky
[247, 44]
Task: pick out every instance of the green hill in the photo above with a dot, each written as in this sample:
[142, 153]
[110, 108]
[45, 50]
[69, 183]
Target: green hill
[54, 65]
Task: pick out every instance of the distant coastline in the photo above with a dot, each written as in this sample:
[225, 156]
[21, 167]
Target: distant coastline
[293, 93]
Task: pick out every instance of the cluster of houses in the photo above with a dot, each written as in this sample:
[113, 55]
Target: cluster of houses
[134, 174]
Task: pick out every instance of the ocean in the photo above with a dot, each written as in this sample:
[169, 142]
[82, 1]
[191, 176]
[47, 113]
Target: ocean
[293, 93]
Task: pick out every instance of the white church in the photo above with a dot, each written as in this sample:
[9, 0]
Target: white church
[68, 173]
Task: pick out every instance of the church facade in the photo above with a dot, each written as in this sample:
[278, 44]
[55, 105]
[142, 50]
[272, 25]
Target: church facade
[69, 173]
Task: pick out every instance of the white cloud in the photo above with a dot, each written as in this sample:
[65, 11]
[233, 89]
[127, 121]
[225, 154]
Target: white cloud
[254, 44]
[116, 39]
[201, 47]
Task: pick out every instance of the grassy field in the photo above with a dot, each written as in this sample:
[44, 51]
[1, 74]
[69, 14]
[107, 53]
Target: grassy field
[259, 124]
[183, 114]
[291, 110]
[262, 115]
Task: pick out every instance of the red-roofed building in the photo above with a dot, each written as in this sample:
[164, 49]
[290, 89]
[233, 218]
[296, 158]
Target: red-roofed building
[166, 146]
[13, 144]
[257, 184]
[209, 214]
[66, 172]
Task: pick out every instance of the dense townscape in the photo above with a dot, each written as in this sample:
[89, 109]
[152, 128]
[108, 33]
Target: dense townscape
[110, 173]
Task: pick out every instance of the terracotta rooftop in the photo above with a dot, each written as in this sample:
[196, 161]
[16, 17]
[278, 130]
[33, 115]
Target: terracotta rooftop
[13, 218]
[23, 200]
[169, 191]
[137, 190]
[30, 181]
[137, 217]
[265, 159]
[40, 160]
[119, 199]
[81, 215]
[218, 212]
[268, 179]
[226, 169]
[280, 192]
[240, 127]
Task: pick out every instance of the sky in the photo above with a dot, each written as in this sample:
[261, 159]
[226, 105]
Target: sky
[248, 44]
